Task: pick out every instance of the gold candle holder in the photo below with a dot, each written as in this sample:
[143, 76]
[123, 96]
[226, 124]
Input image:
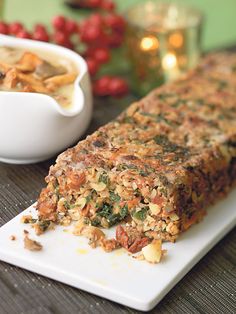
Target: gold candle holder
[163, 41]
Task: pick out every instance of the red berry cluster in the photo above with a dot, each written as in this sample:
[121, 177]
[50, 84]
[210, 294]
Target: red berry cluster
[17, 29]
[99, 34]
[110, 86]
[63, 31]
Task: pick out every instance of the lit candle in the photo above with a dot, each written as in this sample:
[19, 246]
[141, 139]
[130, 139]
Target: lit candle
[176, 40]
[149, 43]
[169, 61]
[170, 66]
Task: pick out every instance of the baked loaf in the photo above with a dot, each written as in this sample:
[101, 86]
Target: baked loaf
[157, 166]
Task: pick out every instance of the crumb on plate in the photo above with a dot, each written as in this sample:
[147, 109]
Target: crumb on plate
[32, 245]
[153, 252]
[26, 219]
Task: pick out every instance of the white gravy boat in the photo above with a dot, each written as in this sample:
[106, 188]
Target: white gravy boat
[33, 126]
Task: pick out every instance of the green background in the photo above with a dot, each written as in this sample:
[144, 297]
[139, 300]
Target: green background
[220, 16]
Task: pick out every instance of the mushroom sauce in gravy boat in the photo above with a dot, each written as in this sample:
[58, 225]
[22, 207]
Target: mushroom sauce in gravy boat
[45, 99]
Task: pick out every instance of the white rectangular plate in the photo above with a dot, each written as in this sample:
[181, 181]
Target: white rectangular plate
[116, 276]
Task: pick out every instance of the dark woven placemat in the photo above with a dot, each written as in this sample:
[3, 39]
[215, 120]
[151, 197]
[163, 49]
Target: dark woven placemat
[210, 287]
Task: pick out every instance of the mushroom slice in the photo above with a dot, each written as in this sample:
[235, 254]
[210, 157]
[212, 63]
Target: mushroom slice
[60, 80]
[35, 84]
[45, 70]
[11, 79]
[28, 62]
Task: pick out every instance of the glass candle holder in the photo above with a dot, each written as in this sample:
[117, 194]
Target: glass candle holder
[163, 41]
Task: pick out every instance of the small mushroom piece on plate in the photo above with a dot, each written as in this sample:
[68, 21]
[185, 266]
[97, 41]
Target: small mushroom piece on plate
[32, 245]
